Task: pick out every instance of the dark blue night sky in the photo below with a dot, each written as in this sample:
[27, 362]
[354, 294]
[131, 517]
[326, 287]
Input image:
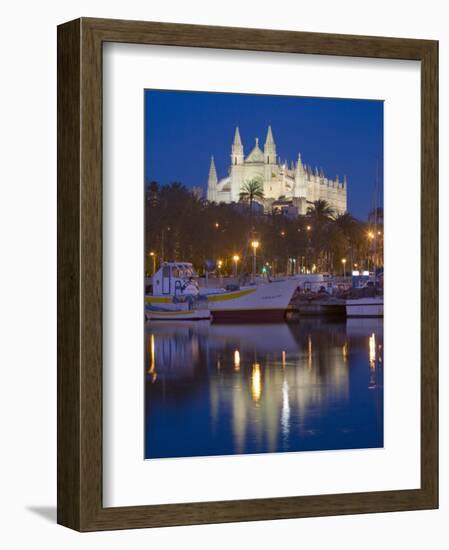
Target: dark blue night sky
[343, 136]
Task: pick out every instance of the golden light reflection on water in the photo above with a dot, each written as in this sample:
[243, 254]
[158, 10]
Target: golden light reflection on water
[236, 360]
[285, 414]
[372, 351]
[344, 351]
[235, 365]
[256, 382]
[372, 362]
[152, 368]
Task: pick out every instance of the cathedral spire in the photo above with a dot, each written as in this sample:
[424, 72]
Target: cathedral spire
[299, 166]
[269, 148]
[237, 139]
[212, 182]
[269, 139]
[237, 155]
[212, 172]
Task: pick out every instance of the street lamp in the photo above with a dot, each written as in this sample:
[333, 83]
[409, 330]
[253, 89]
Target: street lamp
[308, 251]
[153, 255]
[255, 246]
[219, 266]
[235, 259]
[370, 237]
[343, 261]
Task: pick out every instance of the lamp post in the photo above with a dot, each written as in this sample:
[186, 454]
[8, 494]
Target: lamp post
[219, 266]
[235, 259]
[371, 238]
[343, 261]
[255, 246]
[153, 255]
[309, 229]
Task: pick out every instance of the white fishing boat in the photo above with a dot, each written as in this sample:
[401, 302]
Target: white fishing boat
[365, 307]
[177, 315]
[176, 283]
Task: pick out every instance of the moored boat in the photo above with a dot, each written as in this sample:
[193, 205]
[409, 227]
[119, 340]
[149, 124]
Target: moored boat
[177, 315]
[176, 283]
[365, 307]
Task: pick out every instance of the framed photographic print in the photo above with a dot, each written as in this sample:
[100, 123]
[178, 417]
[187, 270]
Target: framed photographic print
[247, 274]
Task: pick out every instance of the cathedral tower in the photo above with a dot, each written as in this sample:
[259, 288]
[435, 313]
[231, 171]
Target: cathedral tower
[269, 149]
[237, 149]
[300, 182]
[237, 166]
[270, 168]
[212, 182]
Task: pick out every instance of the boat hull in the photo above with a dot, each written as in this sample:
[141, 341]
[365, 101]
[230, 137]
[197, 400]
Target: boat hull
[259, 303]
[365, 307]
[264, 303]
[196, 315]
[248, 315]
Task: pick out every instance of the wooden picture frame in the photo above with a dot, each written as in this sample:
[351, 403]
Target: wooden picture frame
[80, 351]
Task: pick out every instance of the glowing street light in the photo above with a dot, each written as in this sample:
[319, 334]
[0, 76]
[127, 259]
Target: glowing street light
[308, 228]
[153, 255]
[217, 225]
[235, 259]
[343, 261]
[255, 246]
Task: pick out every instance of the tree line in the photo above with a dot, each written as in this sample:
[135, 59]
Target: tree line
[180, 225]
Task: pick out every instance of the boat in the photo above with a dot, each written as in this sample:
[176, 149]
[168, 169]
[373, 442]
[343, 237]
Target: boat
[182, 306]
[365, 307]
[177, 315]
[177, 283]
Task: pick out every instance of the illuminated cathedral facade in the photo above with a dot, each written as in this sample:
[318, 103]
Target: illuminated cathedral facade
[295, 185]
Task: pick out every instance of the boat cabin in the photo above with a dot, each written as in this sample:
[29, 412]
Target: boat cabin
[174, 278]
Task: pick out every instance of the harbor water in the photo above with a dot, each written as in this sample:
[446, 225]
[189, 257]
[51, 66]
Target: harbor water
[213, 389]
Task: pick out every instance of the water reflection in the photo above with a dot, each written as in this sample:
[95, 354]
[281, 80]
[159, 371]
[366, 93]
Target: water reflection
[232, 389]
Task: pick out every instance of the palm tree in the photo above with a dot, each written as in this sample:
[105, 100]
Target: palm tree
[349, 226]
[320, 216]
[321, 211]
[250, 191]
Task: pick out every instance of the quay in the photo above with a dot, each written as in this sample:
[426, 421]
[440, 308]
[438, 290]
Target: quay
[326, 306]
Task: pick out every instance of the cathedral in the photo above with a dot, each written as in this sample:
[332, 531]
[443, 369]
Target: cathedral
[289, 188]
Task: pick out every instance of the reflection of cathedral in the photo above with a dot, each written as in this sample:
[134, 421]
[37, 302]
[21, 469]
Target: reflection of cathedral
[279, 389]
[295, 185]
[267, 386]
